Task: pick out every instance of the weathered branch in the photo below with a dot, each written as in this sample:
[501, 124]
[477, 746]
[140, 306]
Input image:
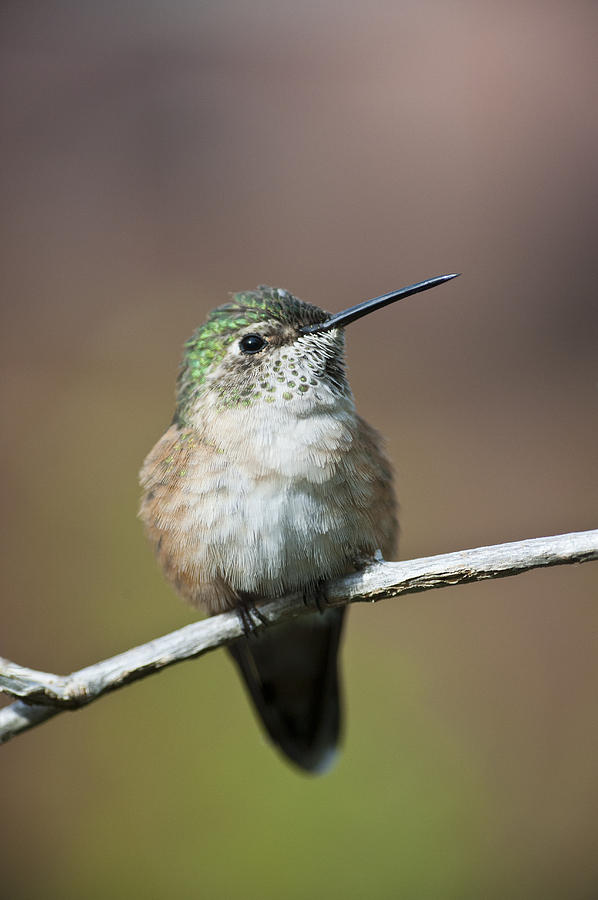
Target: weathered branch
[43, 695]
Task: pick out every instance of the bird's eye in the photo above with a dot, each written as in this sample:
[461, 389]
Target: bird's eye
[252, 343]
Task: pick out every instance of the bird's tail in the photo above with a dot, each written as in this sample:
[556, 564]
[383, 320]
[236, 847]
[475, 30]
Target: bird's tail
[291, 672]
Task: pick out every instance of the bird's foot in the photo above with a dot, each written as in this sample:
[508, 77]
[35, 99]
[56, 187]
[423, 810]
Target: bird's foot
[315, 595]
[364, 561]
[249, 615]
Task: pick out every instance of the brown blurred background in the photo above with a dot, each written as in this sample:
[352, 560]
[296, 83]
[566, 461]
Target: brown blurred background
[157, 156]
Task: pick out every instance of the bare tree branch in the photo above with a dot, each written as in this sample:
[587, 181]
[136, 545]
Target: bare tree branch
[43, 695]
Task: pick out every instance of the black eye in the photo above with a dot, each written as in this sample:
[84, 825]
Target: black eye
[252, 343]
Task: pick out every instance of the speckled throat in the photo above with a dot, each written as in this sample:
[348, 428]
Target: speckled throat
[281, 314]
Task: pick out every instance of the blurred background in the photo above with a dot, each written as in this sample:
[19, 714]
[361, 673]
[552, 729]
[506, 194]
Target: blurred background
[157, 156]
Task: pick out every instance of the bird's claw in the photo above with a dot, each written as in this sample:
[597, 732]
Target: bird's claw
[363, 562]
[315, 596]
[250, 617]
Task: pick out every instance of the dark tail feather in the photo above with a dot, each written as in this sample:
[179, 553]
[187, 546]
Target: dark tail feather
[291, 672]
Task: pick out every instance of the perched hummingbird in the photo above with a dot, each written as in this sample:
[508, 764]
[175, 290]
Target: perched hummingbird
[268, 483]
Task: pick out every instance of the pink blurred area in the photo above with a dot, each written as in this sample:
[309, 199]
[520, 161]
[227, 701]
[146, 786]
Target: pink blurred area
[158, 156]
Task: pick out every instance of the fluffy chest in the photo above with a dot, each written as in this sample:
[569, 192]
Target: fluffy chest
[279, 505]
[261, 533]
[265, 510]
[273, 466]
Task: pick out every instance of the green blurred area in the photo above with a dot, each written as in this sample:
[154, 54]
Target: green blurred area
[158, 156]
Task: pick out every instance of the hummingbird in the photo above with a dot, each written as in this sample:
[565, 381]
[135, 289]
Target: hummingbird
[268, 483]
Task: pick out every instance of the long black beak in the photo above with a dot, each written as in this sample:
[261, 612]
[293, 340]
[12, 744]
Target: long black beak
[339, 320]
